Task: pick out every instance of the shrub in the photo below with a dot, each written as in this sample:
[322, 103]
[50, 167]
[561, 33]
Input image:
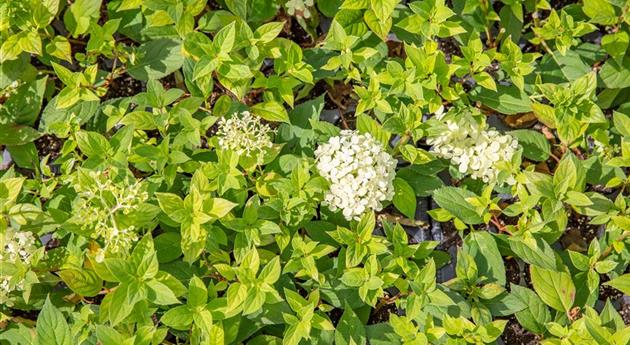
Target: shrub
[314, 172]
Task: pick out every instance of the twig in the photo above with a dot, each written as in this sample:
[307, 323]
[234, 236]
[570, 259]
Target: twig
[494, 220]
[610, 248]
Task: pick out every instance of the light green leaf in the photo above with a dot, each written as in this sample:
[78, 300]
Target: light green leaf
[453, 199]
[84, 282]
[556, 289]
[482, 246]
[52, 328]
[271, 111]
[535, 146]
[157, 59]
[621, 283]
[536, 315]
[404, 198]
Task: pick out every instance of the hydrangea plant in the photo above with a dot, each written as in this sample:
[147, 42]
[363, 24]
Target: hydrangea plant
[314, 172]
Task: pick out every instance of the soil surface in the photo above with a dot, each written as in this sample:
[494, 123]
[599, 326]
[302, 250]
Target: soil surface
[514, 334]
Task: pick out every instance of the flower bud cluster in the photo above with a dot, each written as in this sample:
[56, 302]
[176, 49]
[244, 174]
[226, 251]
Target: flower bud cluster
[99, 206]
[16, 248]
[10, 89]
[245, 134]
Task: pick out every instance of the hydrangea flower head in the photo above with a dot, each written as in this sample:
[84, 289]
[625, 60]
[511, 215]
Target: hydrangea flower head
[299, 7]
[360, 173]
[15, 247]
[100, 203]
[475, 150]
[245, 134]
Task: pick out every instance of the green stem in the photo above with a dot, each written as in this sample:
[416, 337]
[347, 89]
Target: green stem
[403, 140]
[609, 249]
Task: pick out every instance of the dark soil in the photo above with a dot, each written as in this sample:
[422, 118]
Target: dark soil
[396, 49]
[625, 313]
[451, 236]
[335, 315]
[293, 31]
[169, 81]
[382, 314]
[579, 233]
[124, 86]
[449, 47]
[48, 144]
[607, 292]
[560, 4]
[514, 334]
[513, 272]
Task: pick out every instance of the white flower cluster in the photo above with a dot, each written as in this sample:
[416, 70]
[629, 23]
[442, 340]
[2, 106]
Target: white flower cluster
[605, 149]
[16, 248]
[245, 134]
[360, 172]
[98, 207]
[10, 89]
[299, 7]
[476, 150]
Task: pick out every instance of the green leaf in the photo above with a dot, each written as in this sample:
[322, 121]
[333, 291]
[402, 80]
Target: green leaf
[109, 336]
[616, 45]
[24, 107]
[555, 288]
[600, 11]
[622, 123]
[350, 330]
[355, 277]
[179, 318]
[140, 120]
[535, 146]
[483, 248]
[536, 315]
[159, 293]
[92, 144]
[562, 68]
[220, 207]
[383, 8]
[167, 246]
[615, 74]
[56, 120]
[379, 25]
[84, 282]
[271, 111]
[507, 100]
[268, 31]
[172, 205]
[271, 272]
[545, 114]
[534, 251]
[486, 81]
[80, 15]
[157, 59]
[404, 198]
[24, 156]
[254, 301]
[512, 20]
[52, 328]
[197, 292]
[569, 175]
[366, 124]
[621, 283]
[453, 199]
[11, 134]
